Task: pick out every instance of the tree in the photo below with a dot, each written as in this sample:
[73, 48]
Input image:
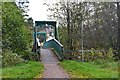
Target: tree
[23, 5]
[30, 21]
[99, 22]
[64, 12]
[118, 14]
[15, 35]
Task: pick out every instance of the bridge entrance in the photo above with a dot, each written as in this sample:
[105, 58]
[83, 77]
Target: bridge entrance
[46, 35]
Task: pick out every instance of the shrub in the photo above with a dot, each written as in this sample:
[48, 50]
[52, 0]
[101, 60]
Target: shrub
[28, 55]
[10, 59]
[25, 54]
[34, 56]
[100, 61]
[109, 54]
[92, 55]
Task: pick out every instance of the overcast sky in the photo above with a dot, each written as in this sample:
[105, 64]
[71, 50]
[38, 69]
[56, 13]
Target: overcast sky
[38, 11]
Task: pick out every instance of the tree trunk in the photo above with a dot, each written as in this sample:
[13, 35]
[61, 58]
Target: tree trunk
[118, 14]
[68, 26]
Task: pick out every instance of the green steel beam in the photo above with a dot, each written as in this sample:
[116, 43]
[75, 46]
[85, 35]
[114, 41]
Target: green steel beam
[53, 43]
[53, 23]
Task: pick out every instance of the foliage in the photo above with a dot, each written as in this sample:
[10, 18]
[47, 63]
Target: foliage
[29, 70]
[110, 54]
[98, 20]
[105, 63]
[34, 56]
[15, 34]
[100, 55]
[63, 36]
[10, 59]
[91, 55]
[90, 69]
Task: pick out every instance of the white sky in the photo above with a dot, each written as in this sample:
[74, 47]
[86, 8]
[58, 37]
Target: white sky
[38, 11]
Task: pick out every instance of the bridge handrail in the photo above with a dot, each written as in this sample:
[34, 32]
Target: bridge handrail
[56, 45]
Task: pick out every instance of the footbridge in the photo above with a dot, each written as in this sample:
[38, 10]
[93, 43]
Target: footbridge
[46, 36]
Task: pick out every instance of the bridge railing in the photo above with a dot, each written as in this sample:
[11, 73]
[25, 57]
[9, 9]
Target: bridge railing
[57, 46]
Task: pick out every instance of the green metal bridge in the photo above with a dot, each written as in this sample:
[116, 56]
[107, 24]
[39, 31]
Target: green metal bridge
[46, 36]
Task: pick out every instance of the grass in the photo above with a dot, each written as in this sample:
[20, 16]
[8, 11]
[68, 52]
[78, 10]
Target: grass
[90, 69]
[28, 69]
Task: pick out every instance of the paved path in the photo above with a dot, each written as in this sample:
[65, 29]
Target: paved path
[52, 69]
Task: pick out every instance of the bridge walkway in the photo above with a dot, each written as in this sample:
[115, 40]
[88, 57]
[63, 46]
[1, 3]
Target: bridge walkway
[52, 68]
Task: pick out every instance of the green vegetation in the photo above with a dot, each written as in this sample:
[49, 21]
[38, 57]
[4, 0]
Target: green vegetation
[92, 55]
[63, 36]
[33, 56]
[24, 70]
[91, 69]
[10, 59]
[16, 43]
[16, 34]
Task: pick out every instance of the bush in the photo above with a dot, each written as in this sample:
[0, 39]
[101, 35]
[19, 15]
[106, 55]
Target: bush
[28, 55]
[100, 61]
[25, 54]
[10, 59]
[110, 54]
[104, 55]
[15, 32]
[91, 55]
[34, 56]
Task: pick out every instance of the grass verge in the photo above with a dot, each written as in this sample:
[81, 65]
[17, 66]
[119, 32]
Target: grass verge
[90, 69]
[28, 69]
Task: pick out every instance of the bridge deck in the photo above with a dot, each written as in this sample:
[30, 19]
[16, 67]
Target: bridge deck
[47, 56]
[52, 69]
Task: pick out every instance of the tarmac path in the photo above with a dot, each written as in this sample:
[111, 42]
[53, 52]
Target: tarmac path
[52, 69]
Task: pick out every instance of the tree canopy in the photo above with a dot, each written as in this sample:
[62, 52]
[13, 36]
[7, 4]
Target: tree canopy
[15, 33]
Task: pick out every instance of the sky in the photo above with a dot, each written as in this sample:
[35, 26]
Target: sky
[38, 11]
